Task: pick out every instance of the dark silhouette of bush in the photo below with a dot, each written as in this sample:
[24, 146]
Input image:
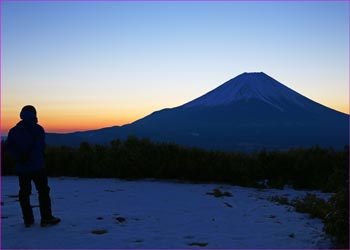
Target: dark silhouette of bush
[337, 220]
[313, 168]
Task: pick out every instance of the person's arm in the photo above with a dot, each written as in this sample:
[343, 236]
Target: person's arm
[11, 146]
[41, 144]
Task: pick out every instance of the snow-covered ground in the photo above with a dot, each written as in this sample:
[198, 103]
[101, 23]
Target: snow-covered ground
[158, 214]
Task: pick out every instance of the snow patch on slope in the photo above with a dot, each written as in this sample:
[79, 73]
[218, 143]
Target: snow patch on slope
[249, 86]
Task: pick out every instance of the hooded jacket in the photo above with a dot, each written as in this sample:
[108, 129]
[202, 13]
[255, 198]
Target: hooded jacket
[26, 143]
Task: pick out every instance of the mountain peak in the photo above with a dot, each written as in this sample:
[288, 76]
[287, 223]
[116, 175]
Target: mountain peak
[248, 86]
[253, 73]
[252, 79]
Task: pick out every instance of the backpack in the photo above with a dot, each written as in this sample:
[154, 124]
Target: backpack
[21, 142]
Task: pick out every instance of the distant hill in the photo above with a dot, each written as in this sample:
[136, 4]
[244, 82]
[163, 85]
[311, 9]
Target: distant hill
[249, 112]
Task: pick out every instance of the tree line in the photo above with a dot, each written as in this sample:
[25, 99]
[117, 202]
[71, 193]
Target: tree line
[312, 168]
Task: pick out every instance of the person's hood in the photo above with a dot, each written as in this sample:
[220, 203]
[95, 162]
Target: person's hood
[28, 116]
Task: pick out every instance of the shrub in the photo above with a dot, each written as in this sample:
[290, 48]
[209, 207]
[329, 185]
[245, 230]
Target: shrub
[334, 213]
[311, 204]
[337, 220]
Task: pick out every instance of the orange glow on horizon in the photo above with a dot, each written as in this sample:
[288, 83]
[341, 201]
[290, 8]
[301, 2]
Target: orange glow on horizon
[80, 125]
[340, 108]
[69, 124]
[73, 119]
[72, 122]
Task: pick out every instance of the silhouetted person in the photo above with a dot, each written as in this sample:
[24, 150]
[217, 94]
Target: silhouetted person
[26, 143]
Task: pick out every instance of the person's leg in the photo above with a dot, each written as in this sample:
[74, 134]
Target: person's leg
[41, 184]
[24, 198]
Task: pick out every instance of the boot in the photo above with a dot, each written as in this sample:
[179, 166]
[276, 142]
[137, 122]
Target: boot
[28, 222]
[49, 221]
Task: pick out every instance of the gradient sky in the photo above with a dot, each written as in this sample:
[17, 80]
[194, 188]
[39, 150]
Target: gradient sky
[88, 65]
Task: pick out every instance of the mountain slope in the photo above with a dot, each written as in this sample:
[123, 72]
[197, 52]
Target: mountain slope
[252, 86]
[249, 112]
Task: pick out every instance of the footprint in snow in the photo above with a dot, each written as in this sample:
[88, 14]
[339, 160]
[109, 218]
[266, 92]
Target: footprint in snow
[198, 244]
[189, 237]
[291, 235]
[219, 194]
[99, 231]
[138, 241]
[228, 204]
[120, 219]
[109, 190]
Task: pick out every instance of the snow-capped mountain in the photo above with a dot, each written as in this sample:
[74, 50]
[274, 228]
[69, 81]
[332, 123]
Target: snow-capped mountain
[249, 86]
[251, 111]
